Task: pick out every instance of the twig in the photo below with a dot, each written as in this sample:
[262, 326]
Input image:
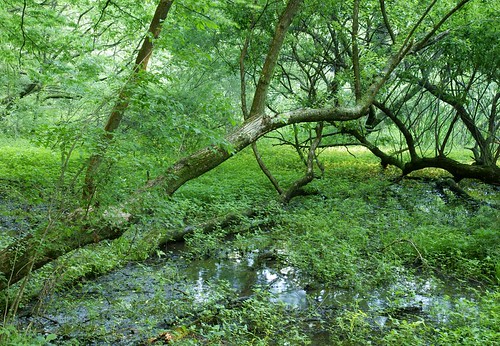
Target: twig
[25, 4]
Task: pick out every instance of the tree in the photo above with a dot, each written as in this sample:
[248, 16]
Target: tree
[64, 52]
[123, 99]
[438, 107]
[430, 105]
[339, 103]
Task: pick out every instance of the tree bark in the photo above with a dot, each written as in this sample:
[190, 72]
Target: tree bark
[208, 158]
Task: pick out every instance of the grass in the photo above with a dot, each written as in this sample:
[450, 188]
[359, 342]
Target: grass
[355, 234]
[23, 163]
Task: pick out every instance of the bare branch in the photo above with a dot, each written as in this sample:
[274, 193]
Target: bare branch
[386, 21]
[23, 32]
[355, 51]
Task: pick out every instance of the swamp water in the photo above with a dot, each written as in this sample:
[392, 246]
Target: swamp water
[141, 300]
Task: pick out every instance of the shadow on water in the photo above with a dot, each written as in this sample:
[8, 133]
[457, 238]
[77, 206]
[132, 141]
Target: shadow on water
[140, 300]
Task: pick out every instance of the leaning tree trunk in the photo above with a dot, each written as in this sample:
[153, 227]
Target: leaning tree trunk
[33, 251]
[122, 103]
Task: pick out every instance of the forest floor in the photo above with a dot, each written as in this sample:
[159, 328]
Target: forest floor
[367, 258]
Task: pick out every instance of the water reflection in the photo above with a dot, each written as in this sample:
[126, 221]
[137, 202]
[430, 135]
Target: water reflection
[117, 297]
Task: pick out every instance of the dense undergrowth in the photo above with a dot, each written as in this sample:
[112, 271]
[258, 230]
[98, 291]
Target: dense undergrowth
[358, 231]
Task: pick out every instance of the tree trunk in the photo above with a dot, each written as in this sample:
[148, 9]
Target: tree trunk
[487, 174]
[122, 103]
[33, 251]
[296, 188]
[259, 100]
[208, 158]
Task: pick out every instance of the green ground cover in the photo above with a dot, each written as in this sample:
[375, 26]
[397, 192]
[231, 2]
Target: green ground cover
[359, 231]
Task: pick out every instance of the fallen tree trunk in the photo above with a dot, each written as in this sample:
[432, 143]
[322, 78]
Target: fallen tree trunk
[76, 240]
[33, 251]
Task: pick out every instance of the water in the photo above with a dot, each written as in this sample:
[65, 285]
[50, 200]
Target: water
[141, 300]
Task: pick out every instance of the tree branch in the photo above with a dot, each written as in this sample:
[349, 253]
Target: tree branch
[296, 188]
[355, 51]
[386, 21]
[25, 4]
[259, 100]
[123, 99]
[244, 109]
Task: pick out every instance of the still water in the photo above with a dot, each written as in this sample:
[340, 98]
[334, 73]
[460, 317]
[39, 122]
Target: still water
[140, 300]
